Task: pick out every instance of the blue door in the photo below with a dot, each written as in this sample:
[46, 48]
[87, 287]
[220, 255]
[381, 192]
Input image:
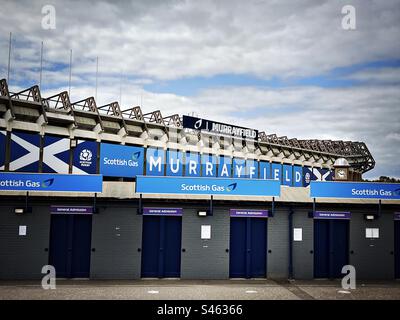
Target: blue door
[248, 243]
[397, 248]
[70, 241]
[331, 245]
[161, 247]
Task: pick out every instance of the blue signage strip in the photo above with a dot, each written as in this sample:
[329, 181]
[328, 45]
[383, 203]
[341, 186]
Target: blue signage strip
[211, 186]
[361, 190]
[50, 182]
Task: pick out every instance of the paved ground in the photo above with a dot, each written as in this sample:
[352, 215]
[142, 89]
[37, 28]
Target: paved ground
[199, 290]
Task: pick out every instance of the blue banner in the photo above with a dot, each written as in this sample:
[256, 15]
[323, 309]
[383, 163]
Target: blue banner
[297, 176]
[174, 163]
[3, 139]
[192, 164]
[85, 157]
[121, 161]
[56, 153]
[276, 171]
[210, 186]
[224, 167]
[208, 165]
[362, 190]
[155, 160]
[50, 182]
[25, 152]
[287, 179]
[265, 170]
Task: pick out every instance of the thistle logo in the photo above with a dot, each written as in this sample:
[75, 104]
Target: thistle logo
[231, 187]
[308, 177]
[198, 123]
[85, 158]
[47, 183]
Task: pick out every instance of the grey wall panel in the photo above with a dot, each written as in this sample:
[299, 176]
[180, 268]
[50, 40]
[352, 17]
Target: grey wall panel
[372, 258]
[303, 260]
[116, 237]
[278, 240]
[22, 257]
[205, 259]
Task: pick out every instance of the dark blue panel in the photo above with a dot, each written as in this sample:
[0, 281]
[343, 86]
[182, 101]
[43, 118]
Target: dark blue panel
[192, 164]
[239, 168]
[224, 167]
[397, 248]
[265, 170]
[81, 242]
[339, 247]
[172, 247]
[258, 247]
[58, 253]
[237, 250]
[150, 246]
[251, 169]
[3, 139]
[276, 171]
[25, 145]
[85, 157]
[321, 248]
[174, 163]
[208, 165]
[155, 162]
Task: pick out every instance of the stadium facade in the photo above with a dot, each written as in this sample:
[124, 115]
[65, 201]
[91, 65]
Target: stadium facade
[103, 193]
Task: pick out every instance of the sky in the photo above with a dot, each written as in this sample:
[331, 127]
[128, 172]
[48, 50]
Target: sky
[284, 67]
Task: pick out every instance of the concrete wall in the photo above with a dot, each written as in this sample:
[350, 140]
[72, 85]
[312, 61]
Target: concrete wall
[278, 244]
[22, 257]
[372, 258]
[116, 238]
[205, 259]
[303, 251]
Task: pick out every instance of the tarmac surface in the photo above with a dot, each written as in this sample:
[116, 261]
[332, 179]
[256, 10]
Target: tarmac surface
[199, 290]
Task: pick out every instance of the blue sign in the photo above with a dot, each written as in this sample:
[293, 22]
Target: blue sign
[331, 215]
[251, 169]
[265, 170]
[174, 163]
[209, 165]
[121, 161]
[276, 171]
[192, 164]
[211, 186]
[287, 179]
[224, 167]
[177, 212]
[155, 160]
[239, 168]
[25, 152]
[362, 190]
[85, 157]
[297, 176]
[50, 182]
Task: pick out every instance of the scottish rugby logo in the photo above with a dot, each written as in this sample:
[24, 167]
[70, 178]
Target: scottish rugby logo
[85, 158]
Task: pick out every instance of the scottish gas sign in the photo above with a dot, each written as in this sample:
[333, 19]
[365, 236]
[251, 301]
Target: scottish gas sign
[361, 190]
[50, 182]
[211, 186]
[121, 161]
